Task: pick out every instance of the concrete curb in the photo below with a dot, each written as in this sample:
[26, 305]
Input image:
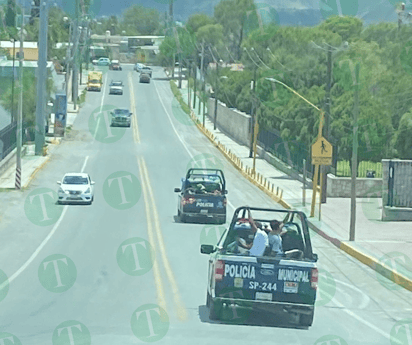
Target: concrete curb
[367, 260]
[262, 184]
[257, 179]
[32, 176]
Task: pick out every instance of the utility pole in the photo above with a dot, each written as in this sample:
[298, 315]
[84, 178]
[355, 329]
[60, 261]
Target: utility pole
[75, 80]
[68, 58]
[195, 83]
[217, 81]
[171, 12]
[20, 108]
[188, 83]
[41, 79]
[354, 156]
[253, 113]
[202, 78]
[325, 169]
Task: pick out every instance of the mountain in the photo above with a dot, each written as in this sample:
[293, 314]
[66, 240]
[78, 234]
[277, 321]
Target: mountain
[291, 12]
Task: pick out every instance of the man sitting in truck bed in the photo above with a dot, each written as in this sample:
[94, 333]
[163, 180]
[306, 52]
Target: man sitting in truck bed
[203, 187]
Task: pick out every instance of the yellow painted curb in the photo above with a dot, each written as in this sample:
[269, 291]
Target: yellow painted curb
[41, 166]
[377, 266]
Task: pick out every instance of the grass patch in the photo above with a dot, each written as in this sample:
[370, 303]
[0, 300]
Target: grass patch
[343, 168]
[179, 97]
[68, 129]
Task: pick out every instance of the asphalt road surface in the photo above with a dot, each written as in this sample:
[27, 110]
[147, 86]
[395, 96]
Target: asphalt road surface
[125, 271]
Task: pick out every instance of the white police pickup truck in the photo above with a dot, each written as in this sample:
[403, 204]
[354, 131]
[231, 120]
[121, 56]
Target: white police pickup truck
[282, 283]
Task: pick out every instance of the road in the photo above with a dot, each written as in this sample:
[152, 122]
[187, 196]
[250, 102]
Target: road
[93, 287]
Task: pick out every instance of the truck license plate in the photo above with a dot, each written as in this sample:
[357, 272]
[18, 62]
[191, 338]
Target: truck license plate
[290, 287]
[263, 296]
[203, 211]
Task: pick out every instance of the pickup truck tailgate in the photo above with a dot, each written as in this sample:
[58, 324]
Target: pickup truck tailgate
[258, 279]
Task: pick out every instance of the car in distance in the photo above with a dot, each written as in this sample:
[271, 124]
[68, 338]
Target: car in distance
[76, 188]
[121, 117]
[103, 62]
[116, 88]
[115, 65]
[144, 78]
[138, 66]
[147, 70]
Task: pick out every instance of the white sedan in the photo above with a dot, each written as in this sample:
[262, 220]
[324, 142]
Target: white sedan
[76, 188]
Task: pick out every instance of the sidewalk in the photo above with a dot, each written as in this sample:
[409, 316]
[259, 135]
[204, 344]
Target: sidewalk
[377, 243]
[31, 164]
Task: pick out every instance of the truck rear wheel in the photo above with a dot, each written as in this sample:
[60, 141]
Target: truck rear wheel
[215, 308]
[306, 319]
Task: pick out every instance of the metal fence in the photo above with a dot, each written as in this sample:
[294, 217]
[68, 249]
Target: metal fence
[290, 152]
[8, 137]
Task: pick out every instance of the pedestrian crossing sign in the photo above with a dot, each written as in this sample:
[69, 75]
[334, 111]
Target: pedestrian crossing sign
[322, 152]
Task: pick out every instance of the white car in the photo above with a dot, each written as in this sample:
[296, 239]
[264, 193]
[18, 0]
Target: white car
[76, 188]
[116, 87]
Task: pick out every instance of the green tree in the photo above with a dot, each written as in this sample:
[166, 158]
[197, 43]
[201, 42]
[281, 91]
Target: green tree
[198, 20]
[404, 137]
[141, 20]
[231, 15]
[211, 35]
[347, 27]
[11, 13]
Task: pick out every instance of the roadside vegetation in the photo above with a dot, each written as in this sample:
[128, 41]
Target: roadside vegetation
[298, 57]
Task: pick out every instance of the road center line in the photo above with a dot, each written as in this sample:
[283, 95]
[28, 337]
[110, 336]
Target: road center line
[156, 270]
[135, 126]
[44, 242]
[179, 137]
[179, 305]
[101, 107]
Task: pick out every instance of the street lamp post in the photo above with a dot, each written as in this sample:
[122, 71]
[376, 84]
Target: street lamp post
[354, 156]
[315, 176]
[41, 80]
[253, 113]
[68, 55]
[330, 50]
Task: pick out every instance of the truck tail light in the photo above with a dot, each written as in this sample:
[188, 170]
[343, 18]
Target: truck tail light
[224, 202]
[314, 278]
[219, 270]
[186, 201]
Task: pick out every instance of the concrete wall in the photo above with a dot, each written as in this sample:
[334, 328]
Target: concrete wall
[234, 123]
[365, 187]
[10, 160]
[402, 189]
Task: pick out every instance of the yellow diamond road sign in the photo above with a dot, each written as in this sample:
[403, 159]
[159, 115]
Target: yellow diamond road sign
[322, 152]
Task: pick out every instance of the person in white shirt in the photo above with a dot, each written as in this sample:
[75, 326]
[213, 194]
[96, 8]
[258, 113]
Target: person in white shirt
[260, 241]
